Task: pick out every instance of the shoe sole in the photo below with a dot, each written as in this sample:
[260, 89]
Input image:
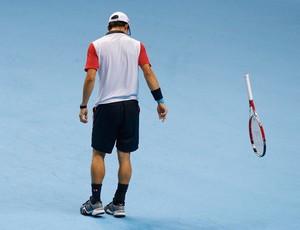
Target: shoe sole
[117, 214]
[99, 212]
[96, 212]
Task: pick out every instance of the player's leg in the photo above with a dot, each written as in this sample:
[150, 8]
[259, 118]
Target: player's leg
[94, 205]
[127, 142]
[117, 206]
[97, 167]
[125, 170]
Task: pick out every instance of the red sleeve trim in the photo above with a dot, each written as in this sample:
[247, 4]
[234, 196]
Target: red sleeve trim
[92, 61]
[143, 57]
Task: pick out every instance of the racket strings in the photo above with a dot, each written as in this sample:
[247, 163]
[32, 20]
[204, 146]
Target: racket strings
[258, 141]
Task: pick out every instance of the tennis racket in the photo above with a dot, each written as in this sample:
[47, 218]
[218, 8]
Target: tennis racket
[256, 130]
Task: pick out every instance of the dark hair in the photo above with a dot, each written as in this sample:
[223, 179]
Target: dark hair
[116, 24]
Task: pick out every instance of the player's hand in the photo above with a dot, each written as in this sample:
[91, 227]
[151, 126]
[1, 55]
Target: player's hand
[83, 115]
[162, 111]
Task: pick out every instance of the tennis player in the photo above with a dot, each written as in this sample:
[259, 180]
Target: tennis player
[116, 57]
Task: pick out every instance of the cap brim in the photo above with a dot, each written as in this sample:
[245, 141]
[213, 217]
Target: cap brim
[129, 31]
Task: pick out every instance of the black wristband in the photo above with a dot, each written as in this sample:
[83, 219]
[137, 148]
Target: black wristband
[157, 94]
[83, 106]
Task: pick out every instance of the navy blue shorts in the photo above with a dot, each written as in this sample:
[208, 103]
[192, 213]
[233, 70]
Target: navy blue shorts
[116, 123]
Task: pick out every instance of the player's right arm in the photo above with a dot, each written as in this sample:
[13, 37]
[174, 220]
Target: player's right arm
[154, 86]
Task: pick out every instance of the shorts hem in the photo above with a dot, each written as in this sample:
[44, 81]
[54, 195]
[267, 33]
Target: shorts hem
[126, 150]
[99, 149]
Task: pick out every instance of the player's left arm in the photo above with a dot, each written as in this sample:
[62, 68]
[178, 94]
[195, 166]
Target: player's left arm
[91, 67]
[88, 87]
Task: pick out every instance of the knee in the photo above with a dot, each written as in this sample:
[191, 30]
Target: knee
[123, 156]
[98, 155]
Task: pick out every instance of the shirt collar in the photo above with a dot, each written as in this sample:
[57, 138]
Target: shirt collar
[115, 32]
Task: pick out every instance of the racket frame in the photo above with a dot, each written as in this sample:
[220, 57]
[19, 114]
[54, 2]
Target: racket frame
[254, 115]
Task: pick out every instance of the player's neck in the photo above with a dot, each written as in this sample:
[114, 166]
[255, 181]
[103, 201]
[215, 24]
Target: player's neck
[119, 28]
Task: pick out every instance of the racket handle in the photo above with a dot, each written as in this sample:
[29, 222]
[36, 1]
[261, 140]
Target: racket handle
[246, 76]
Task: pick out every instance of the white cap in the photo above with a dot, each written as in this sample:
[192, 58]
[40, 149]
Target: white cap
[119, 17]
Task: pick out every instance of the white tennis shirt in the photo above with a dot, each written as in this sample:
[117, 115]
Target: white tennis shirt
[117, 58]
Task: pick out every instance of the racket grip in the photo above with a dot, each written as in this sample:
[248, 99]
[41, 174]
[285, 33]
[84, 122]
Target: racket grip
[247, 79]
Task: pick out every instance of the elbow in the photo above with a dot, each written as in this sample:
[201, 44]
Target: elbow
[148, 73]
[91, 75]
[90, 78]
